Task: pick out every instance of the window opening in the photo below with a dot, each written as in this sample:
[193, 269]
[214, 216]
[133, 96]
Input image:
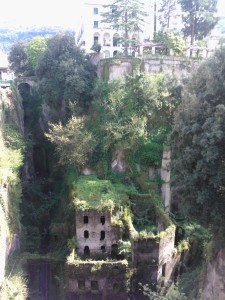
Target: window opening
[103, 249]
[81, 284]
[86, 234]
[95, 39]
[114, 250]
[95, 24]
[85, 219]
[103, 220]
[95, 10]
[164, 270]
[163, 274]
[102, 236]
[94, 285]
[86, 251]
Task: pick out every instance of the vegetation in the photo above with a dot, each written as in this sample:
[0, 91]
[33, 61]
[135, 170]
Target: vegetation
[172, 294]
[127, 16]
[93, 193]
[19, 61]
[197, 142]
[64, 75]
[35, 48]
[96, 124]
[166, 12]
[171, 40]
[74, 143]
[198, 18]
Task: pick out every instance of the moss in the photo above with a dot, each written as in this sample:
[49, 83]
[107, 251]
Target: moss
[93, 193]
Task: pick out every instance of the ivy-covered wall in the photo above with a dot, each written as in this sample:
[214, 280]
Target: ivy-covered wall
[11, 158]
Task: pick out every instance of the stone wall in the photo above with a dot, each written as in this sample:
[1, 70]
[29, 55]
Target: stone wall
[94, 230]
[214, 284]
[97, 280]
[9, 239]
[115, 68]
[157, 253]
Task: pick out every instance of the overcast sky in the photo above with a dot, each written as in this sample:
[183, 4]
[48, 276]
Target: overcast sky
[50, 12]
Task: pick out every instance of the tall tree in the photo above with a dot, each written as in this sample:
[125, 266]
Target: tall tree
[127, 16]
[198, 143]
[198, 17]
[34, 49]
[65, 74]
[166, 12]
[19, 61]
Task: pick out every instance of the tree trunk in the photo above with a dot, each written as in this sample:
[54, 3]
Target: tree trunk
[126, 35]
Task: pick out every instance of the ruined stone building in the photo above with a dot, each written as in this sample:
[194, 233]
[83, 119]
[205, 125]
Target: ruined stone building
[102, 271]
[95, 233]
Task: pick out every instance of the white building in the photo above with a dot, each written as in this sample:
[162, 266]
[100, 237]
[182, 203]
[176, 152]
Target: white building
[97, 32]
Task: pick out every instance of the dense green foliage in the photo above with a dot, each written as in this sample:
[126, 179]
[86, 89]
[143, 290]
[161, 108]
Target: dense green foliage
[65, 74]
[93, 193]
[34, 49]
[198, 143]
[73, 142]
[134, 117]
[128, 120]
[19, 61]
[198, 18]
[171, 40]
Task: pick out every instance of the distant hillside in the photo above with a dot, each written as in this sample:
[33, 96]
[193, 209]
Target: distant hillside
[12, 35]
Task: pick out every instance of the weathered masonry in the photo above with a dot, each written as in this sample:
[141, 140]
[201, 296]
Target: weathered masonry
[95, 233]
[97, 280]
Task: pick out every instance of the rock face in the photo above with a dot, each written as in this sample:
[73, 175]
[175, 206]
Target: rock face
[9, 240]
[214, 286]
[118, 162]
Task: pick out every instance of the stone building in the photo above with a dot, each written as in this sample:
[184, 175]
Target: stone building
[97, 280]
[157, 254]
[95, 233]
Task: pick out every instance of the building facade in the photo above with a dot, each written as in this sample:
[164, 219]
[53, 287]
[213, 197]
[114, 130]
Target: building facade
[95, 31]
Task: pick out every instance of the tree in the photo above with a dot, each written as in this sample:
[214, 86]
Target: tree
[74, 143]
[198, 17]
[198, 143]
[167, 12]
[126, 113]
[171, 40]
[19, 61]
[65, 74]
[127, 16]
[35, 47]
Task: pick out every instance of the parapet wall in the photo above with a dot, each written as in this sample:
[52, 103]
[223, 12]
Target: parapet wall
[114, 68]
[100, 280]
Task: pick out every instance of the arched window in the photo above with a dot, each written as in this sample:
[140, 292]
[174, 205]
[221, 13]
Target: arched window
[103, 249]
[116, 40]
[102, 235]
[86, 234]
[102, 219]
[86, 251]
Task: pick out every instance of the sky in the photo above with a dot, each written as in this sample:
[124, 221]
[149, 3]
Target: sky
[64, 13]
